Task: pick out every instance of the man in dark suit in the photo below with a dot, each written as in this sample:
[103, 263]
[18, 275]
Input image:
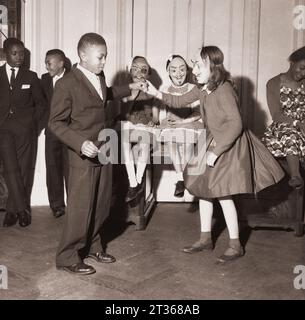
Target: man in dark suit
[77, 116]
[55, 151]
[21, 108]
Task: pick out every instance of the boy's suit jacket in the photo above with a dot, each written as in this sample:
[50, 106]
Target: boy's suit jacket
[25, 103]
[48, 89]
[77, 113]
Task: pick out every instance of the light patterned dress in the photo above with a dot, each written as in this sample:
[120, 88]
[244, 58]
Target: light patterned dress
[283, 139]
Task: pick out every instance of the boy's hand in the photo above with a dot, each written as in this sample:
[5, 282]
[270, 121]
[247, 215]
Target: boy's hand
[138, 86]
[89, 149]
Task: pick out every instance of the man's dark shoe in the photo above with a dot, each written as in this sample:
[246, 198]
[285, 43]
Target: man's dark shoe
[78, 268]
[58, 212]
[10, 219]
[25, 218]
[179, 191]
[131, 194]
[102, 257]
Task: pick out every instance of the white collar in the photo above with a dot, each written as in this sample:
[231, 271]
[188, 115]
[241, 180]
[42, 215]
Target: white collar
[205, 88]
[9, 71]
[86, 71]
[58, 76]
[93, 78]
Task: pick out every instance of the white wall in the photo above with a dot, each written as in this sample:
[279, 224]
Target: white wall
[256, 36]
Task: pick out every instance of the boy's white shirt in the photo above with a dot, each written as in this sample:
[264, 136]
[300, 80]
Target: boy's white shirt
[93, 78]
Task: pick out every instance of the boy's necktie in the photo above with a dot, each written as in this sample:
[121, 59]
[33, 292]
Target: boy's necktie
[13, 77]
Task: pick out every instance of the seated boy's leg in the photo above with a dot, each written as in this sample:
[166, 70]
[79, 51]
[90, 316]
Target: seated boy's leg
[143, 160]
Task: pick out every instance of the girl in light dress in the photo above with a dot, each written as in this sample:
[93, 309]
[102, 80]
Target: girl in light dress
[182, 124]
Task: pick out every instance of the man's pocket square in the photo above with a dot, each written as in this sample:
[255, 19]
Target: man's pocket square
[26, 86]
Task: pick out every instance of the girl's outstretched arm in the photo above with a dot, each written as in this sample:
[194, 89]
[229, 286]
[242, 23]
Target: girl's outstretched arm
[173, 100]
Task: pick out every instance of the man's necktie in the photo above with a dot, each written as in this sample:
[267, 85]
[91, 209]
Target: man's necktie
[13, 77]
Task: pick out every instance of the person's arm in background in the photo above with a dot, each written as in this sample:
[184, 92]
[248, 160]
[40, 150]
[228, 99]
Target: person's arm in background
[273, 100]
[45, 117]
[40, 103]
[119, 92]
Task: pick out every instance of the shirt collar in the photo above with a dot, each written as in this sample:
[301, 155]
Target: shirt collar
[86, 71]
[205, 88]
[93, 78]
[58, 76]
[8, 69]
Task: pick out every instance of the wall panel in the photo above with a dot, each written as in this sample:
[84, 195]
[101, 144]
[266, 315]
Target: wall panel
[256, 36]
[275, 45]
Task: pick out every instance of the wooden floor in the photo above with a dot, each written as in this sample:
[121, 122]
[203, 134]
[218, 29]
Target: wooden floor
[150, 263]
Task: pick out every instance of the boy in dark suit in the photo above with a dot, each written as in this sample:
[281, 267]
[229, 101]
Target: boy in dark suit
[21, 108]
[55, 151]
[76, 118]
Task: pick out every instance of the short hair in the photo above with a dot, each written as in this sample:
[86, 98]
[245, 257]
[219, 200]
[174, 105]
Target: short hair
[9, 42]
[57, 52]
[90, 39]
[297, 55]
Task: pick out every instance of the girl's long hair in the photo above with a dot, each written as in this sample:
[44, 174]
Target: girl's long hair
[219, 74]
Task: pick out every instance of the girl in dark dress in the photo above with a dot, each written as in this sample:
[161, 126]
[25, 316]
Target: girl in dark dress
[285, 137]
[237, 162]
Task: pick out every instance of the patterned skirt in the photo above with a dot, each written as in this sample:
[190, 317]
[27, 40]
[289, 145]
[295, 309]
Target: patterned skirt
[282, 139]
